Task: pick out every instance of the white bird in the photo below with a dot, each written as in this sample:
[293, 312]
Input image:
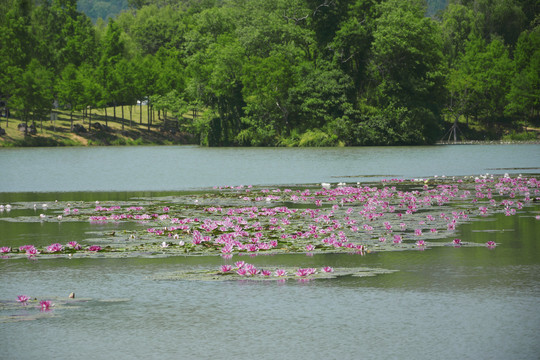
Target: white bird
[325, 185]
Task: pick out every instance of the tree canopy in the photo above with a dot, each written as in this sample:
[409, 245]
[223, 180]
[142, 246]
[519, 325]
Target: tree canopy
[284, 72]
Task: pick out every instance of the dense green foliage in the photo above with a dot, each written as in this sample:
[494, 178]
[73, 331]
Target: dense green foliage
[284, 72]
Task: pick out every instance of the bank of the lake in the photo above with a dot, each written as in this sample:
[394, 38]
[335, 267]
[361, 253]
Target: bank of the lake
[134, 128]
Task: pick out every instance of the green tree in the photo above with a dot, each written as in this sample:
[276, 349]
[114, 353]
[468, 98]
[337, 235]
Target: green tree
[16, 42]
[70, 90]
[524, 95]
[407, 65]
[112, 50]
[35, 94]
[481, 79]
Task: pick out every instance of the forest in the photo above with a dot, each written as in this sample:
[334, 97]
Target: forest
[283, 72]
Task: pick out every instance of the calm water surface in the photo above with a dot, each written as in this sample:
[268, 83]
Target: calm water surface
[443, 303]
[189, 167]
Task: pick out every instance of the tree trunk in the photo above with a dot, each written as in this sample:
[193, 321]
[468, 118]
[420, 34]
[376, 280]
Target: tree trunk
[106, 121]
[7, 116]
[149, 118]
[140, 114]
[122, 116]
[89, 119]
[130, 115]
[71, 119]
[114, 111]
[25, 122]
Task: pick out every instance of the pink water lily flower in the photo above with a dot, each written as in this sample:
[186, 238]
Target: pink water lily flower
[491, 244]
[239, 264]
[420, 243]
[280, 272]
[95, 248]
[23, 299]
[302, 272]
[74, 245]
[266, 272]
[252, 271]
[29, 249]
[456, 241]
[4, 249]
[310, 247]
[55, 248]
[45, 305]
[327, 269]
[226, 268]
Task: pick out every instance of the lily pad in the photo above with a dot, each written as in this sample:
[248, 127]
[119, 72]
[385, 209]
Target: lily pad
[290, 274]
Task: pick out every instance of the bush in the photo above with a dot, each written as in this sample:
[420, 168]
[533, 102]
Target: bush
[317, 138]
[522, 136]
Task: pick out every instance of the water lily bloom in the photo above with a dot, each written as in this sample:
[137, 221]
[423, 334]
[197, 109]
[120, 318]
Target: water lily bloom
[241, 271]
[5, 249]
[280, 272]
[180, 243]
[266, 272]
[164, 244]
[31, 250]
[418, 232]
[328, 269]
[95, 248]
[74, 245]
[310, 247]
[23, 299]
[397, 239]
[226, 268]
[491, 244]
[55, 248]
[239, 264]
[305, 271]
[45, 305]
[420, 243]
[456, 241]
[301, 272]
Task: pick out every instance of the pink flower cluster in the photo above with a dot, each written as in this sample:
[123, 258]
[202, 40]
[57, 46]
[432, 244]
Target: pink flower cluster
[44, 305]
[249, 270]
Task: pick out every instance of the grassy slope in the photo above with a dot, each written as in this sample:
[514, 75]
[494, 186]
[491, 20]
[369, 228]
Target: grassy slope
[58, 133]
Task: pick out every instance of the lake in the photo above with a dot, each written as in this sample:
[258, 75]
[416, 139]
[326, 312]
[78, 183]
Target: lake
[191, 167]
[446, 302]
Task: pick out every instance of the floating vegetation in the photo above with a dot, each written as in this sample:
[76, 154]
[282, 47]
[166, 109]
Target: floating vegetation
[248, 272]
[391, 215]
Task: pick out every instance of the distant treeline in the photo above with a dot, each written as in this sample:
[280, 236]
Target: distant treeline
[281, 72]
